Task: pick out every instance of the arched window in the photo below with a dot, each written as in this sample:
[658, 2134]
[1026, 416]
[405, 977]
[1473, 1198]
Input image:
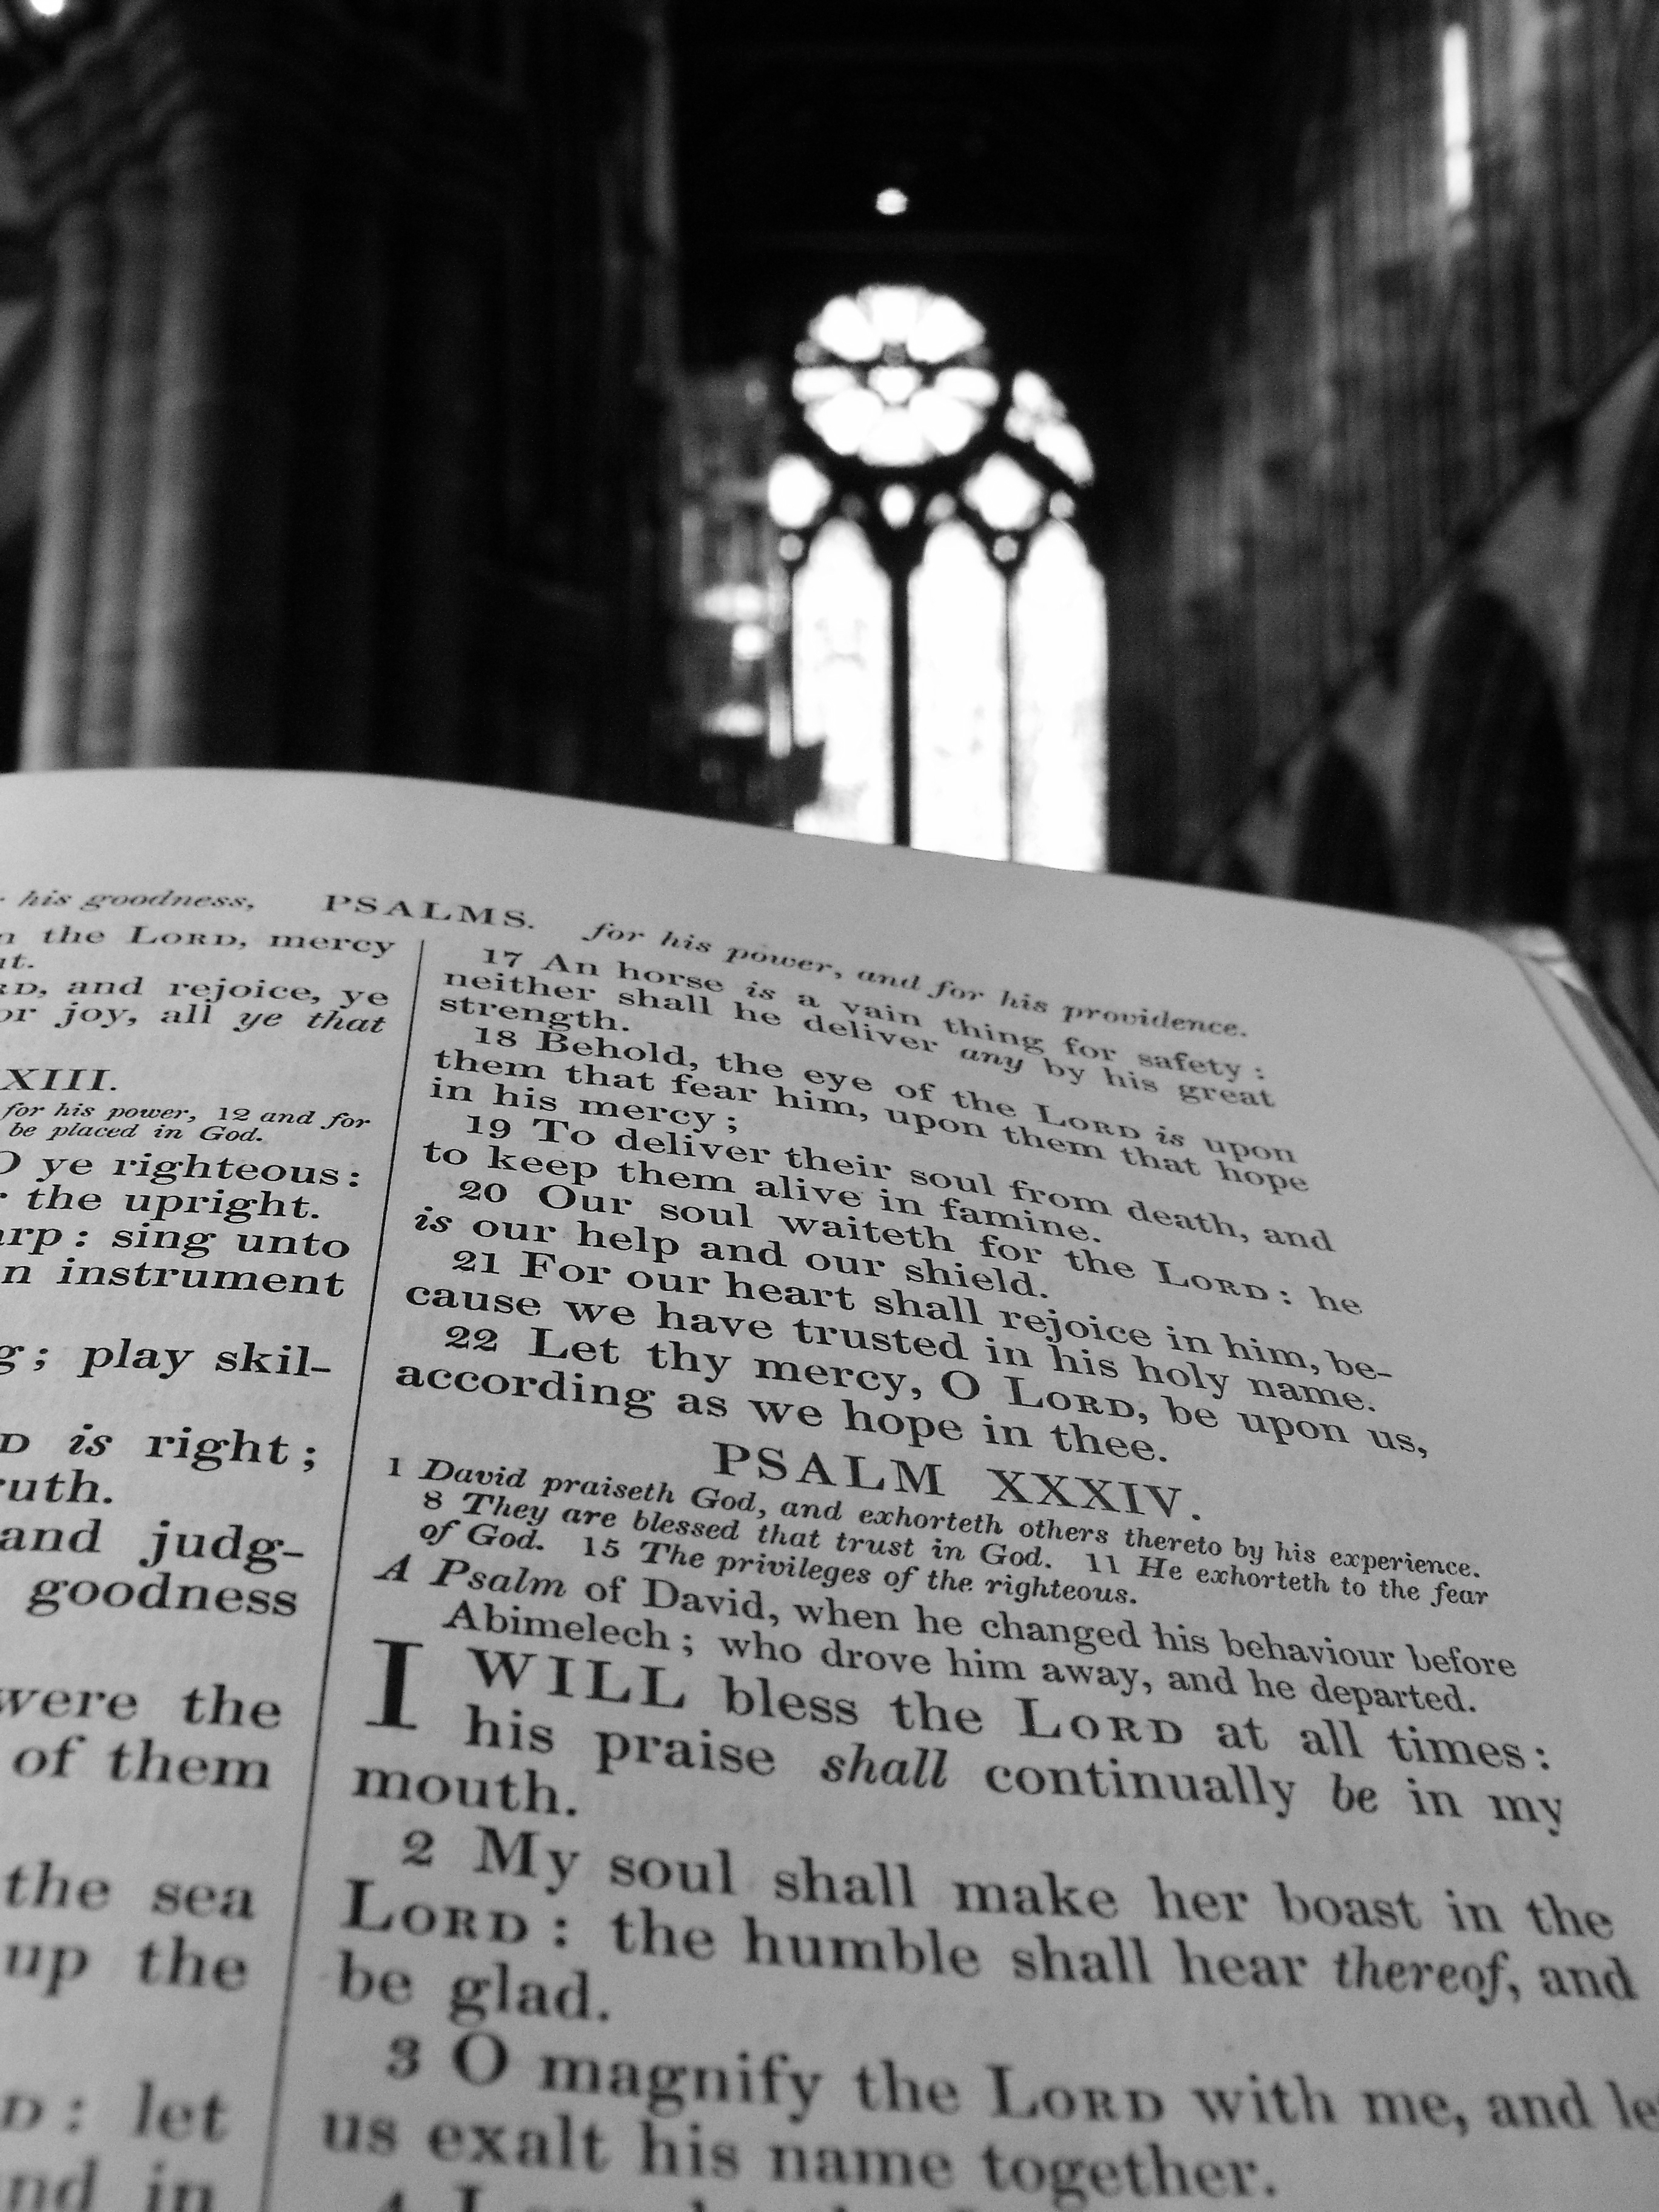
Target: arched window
[948, 627]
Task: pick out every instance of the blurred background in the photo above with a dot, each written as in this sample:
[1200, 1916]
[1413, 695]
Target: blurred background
[1211, 439]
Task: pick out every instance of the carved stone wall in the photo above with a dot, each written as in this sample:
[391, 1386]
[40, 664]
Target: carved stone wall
[1398, 496]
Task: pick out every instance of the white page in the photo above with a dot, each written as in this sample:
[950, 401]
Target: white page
[1124, 1690]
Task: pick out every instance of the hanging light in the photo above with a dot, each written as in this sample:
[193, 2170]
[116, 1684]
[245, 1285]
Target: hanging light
[39, 27]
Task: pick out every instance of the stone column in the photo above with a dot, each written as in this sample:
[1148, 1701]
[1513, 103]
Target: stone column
[68, 489]
[117, 556]
[262, 513]
[211, 614]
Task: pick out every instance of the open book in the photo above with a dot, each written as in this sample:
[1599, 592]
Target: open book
[696, 1520]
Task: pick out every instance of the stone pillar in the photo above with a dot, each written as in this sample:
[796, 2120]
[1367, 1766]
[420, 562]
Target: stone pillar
[210, 613]
[263, 517]
[51, 701]
[117, 558]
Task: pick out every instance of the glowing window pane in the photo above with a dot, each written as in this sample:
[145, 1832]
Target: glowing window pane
[1037, 416]
[1065, 447]
[847, 330]
[896, 439]
[1003, 493]
[893, 309]
[1058, 631]
[945, 423]
[795, 491]
[977, 386]
[842, 609]
[1456, 119]
[822, 382]
[958, 730]
[895, 385]
[847, 421]
[942, 328]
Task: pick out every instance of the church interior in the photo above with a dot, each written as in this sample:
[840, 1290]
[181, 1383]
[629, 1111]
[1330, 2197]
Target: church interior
[1215, 439]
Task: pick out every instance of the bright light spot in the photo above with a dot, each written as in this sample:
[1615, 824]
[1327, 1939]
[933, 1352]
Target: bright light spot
[844, 328]
[750, 641]
[893, 308]
[1006, 549]
[736, 721]
[975, 387]
[822, 381]
[1004, 494]
[895, 385]
[898, 504]
[847, 421]
[896, 439]
[1040, 419]
[1064, 445]
[48, 10]
[732, 602]
[958, 730]
[1456, 119]
[1058, 623]
[795, 491]
[891, 200]
[947, 423]
[944, 328]
[841, 621]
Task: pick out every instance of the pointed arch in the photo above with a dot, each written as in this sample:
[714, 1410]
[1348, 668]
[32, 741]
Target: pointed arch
[1617, 936]
[1493, 804]
[1621, 674]
[1343, 857]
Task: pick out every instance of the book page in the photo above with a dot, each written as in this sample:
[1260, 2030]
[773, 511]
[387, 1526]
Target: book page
[699, 1521]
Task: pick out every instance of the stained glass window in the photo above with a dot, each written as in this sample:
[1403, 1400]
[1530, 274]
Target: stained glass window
[841, 683]
[948, 625]
[1057, 626]
[958, 699]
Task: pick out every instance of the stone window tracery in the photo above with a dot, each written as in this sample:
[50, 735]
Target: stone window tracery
[948, 626]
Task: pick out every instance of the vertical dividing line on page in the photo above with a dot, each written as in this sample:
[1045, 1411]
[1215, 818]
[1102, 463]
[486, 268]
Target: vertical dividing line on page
[268, 2176]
